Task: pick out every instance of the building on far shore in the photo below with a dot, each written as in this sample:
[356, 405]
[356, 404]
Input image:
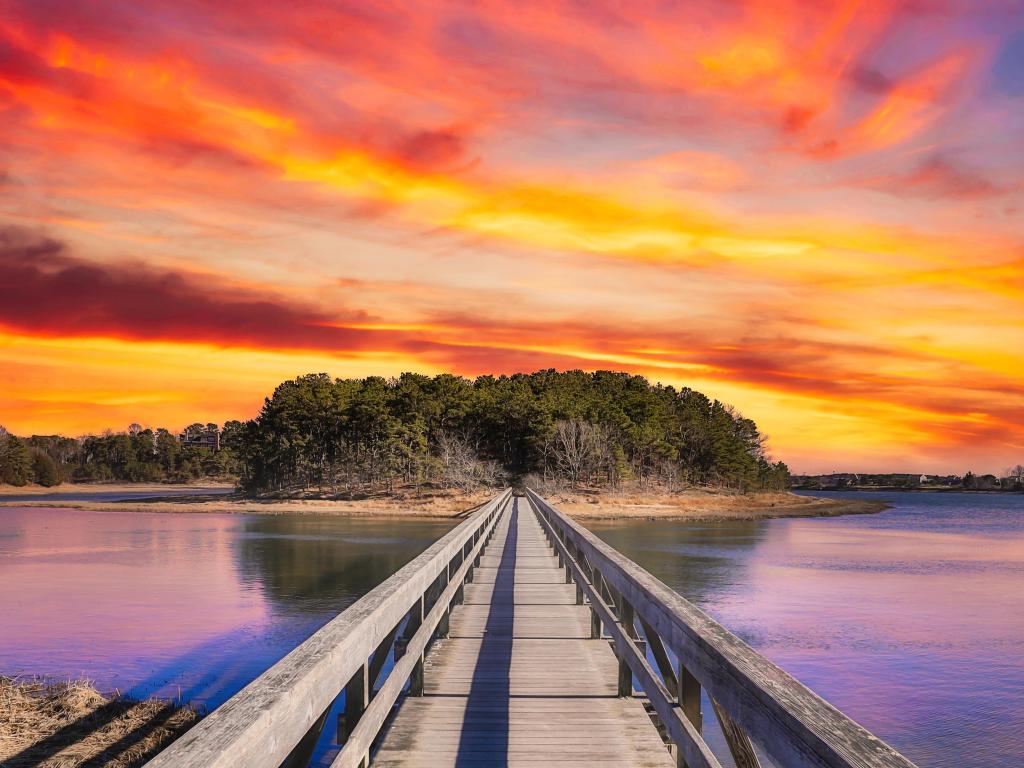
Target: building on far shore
[206, 436]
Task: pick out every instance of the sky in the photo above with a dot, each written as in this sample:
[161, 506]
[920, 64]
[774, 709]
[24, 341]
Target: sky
[812, 211]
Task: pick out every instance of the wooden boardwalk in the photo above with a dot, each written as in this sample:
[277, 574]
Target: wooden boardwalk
[488, 634]
[519, 681]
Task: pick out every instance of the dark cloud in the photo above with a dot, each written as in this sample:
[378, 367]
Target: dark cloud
[938, 177]
[431, 150]
[46, 290]
[870, 80]
[18, 65]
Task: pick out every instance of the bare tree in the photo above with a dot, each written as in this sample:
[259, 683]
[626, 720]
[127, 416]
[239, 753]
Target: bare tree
[578, 447]
[461, 465]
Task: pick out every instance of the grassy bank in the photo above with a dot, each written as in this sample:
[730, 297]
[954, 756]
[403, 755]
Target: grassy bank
[694, 504]
[61, 725]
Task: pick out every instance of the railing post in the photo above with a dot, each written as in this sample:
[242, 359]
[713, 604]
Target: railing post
[689, 702]
[444, 626]
[625, 673]
[689, 697]
[357, 697]
[595, 619]
[453, 567]
[415, 620]
[416, 678]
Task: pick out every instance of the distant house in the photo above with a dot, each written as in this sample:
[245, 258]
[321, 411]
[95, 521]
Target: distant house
[199, 436]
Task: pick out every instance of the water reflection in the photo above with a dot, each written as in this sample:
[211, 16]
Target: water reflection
[310, 564]
[698, 560]
[190, 605]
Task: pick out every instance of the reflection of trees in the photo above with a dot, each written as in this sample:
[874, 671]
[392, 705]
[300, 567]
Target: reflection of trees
[313, 564]
[696, 560]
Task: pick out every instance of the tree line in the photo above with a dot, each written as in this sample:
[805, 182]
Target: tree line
[137, 455]
[570, 428]
[549, 428]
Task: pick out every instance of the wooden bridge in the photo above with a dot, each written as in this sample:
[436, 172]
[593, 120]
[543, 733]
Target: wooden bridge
[521, 639]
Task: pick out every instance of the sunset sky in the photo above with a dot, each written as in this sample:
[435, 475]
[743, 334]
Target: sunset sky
[813, 211]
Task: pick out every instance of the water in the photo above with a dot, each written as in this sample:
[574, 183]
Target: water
[189, 605]
[910, 621]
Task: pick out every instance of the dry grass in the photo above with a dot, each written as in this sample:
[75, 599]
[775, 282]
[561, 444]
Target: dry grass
[60, 725]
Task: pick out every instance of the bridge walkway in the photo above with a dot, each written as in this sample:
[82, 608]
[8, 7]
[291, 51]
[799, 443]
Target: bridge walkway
[519, 681]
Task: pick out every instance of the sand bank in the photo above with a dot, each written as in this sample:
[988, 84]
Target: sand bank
[702, 505]
[697, 505]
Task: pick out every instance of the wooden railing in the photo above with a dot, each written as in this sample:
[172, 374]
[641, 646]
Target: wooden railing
[673, 649]
[278, 718]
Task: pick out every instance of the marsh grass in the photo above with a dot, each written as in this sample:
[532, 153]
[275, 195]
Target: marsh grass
[59, 725]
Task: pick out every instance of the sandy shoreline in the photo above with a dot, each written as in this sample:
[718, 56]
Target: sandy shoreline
[693, 505]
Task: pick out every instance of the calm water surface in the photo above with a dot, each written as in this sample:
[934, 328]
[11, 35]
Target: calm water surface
[195, 605]
[910, 621]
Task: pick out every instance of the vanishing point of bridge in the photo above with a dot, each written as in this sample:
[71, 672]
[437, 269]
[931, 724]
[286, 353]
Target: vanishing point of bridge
[521, 639]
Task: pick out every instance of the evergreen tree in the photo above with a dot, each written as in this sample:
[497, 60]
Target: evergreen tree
[44, 469]
[15, 460]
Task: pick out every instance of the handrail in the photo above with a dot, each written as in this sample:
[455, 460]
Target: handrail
[277, 718]
[752, 696]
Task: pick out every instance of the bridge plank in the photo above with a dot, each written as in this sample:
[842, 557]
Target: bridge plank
[519, 682]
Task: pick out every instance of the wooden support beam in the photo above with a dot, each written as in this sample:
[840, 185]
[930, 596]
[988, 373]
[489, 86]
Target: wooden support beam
[740, 746]
[661, 658]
